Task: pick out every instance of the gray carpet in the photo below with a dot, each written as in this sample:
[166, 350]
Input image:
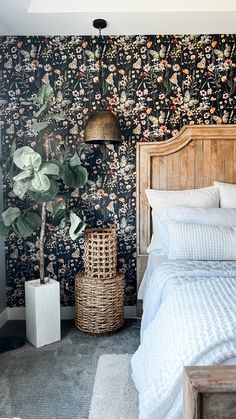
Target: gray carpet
[114, 394]
[56, 381]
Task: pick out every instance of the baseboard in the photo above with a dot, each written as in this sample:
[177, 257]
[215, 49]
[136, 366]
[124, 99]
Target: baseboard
[3, 317]
[67, 313]
[16, 313]
[130, 312]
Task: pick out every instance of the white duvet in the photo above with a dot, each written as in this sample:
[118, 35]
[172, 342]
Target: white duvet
[189, 319]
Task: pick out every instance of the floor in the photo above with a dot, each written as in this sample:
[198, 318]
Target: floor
[56, 381]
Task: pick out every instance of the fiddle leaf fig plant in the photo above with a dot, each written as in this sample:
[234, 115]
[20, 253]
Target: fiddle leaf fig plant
[34, 174]
[38, 177]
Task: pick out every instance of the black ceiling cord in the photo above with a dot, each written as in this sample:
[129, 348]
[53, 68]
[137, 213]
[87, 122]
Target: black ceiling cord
[100, 24]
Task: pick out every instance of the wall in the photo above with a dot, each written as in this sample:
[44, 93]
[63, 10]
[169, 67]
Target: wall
[155, 84]
[2, 252]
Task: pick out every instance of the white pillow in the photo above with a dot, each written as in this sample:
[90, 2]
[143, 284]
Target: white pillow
[191, 215]
[227, 194]
[201, 242]
[160, 201]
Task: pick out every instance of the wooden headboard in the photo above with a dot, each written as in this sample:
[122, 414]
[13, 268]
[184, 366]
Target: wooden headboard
[194, 158]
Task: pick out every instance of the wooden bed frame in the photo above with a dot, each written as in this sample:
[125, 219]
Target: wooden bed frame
[194, 158]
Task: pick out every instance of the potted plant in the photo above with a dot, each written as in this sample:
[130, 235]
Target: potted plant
[37, 176]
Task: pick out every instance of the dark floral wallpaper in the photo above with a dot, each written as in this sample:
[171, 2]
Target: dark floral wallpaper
[154, 84]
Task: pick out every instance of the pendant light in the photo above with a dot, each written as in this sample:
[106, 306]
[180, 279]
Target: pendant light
[102, 125]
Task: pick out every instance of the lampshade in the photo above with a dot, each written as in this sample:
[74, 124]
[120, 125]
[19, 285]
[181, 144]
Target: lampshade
[102, 126]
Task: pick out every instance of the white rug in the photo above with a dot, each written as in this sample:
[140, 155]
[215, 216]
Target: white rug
[114, 394]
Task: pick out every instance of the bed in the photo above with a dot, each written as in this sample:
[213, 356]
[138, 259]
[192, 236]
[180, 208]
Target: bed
[189, 305]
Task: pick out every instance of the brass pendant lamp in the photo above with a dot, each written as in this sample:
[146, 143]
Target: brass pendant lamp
[102, 125]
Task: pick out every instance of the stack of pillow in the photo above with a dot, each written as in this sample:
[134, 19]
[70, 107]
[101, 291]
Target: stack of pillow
[197, 224]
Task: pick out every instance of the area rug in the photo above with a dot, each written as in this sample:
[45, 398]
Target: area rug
[114, 394]
[56, 381]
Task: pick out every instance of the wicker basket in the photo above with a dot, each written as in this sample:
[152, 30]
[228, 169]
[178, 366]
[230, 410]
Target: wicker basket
[100, 253]
[99, 304]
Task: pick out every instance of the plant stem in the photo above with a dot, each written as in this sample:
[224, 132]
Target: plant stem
[41, 244]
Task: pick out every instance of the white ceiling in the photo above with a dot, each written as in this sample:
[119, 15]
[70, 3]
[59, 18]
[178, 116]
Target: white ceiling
[75, 17]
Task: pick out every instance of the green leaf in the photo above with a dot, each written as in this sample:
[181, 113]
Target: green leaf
[58, 212]
[51, 127]
[81, 175]
[24, 227]
[2, 161]
[75, 160]
[23, 175]
[43, 108]
[4, 230]
[44, 94]
[34, 219]
[9, 162]
[57, 117]
[77, 226]
[10, 215]
[13, 148]
[15, 229]
[21, 187]
[49, 169]
[47, 196]
[40, 126]
[32, 160]
[60, 167]
[17, 156]
[60, 205]
[40, 182]
[58, 218]
[75, 177]
[11, 168]
[69, 177]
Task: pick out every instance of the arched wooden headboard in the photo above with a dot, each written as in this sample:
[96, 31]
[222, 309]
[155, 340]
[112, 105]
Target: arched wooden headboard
[194, 158]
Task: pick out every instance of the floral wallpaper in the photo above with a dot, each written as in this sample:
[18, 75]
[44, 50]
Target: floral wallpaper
[154, 84]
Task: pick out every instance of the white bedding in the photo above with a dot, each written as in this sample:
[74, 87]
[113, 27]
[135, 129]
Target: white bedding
[189, 319]
[154, 260]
